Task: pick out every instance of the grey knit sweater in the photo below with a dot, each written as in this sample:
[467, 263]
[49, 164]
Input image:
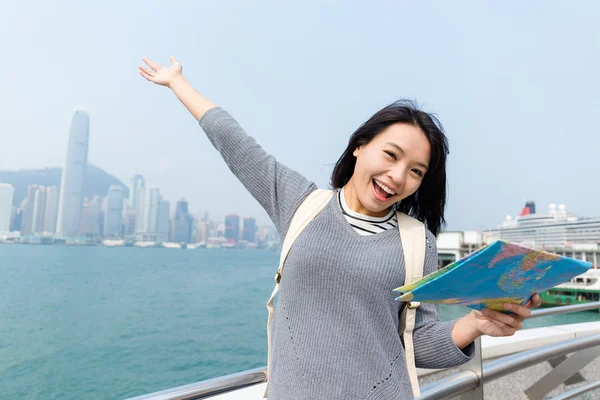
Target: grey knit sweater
[334, 333]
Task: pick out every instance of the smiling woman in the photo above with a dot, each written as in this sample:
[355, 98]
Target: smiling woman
[397, 159]
[335, 328]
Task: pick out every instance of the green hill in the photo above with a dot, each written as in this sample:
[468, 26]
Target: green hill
[96, 182]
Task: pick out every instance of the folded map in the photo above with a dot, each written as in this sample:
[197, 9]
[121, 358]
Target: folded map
[498, 273]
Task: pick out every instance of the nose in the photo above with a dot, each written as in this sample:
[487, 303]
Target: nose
[398, 176]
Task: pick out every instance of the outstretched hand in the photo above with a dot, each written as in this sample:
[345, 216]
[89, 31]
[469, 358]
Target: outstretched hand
[159, 74]
[494, 323]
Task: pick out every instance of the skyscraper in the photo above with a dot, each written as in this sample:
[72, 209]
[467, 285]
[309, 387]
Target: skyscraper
[7, 193]
[183, 223]
[73, 174]
[114, 211]
[232, 227]
[137, 182]
[39, 208]
[148, 216]
[51, 211]
[163, 222]
[249, 232]
[91, 215]
[28, 205]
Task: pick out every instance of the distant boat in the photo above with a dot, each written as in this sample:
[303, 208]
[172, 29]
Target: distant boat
[113, 243]
[584, 288]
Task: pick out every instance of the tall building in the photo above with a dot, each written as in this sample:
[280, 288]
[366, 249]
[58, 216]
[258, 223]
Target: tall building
[28, 205]
[51, 210]
[128, 219]
[73, 173]
[39, 208]
[163, 220]
[147, 219]
[249, 230]
[137, 182]
[113, 213]
[201, 231]
[91, 215]
[183, 223]
[232, 227]
[7, 193]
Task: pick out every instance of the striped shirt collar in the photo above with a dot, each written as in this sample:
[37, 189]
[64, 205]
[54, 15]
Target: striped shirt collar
[349, 212]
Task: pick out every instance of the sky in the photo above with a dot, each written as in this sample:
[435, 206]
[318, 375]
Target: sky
[515, 85]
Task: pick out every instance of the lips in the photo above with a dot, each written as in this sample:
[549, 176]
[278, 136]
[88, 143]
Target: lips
[379, 193]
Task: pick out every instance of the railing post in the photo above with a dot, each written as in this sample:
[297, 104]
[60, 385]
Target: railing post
[475, 365]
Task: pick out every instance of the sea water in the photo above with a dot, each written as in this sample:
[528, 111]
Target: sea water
[110, 323]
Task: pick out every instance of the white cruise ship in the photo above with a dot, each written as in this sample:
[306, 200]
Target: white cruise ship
[556, 231]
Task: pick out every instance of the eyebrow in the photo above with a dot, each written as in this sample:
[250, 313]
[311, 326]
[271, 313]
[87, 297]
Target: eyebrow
[401, 150]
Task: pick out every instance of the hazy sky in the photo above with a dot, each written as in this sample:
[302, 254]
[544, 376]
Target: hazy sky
[515, 85]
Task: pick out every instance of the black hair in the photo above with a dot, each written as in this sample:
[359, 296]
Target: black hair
[428, 203]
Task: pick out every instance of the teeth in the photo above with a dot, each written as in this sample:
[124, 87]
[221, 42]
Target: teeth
[385, 188]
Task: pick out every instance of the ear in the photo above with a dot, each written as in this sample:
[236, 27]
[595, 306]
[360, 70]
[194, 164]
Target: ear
[356, 151]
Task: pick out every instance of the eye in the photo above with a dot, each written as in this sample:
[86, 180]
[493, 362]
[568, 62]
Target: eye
[389, 153]
[418, 172]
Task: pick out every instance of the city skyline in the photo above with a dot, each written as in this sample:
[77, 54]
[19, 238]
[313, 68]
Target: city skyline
[506, 86]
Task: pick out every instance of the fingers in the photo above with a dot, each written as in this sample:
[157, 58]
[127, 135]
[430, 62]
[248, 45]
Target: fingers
[145, 71]
[155, 67]
[519, 310]
[173, 60]
[146, 75]
[502, 320]
[536, 301]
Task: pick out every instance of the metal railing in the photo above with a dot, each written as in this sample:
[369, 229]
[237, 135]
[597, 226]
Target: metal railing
[465, 383]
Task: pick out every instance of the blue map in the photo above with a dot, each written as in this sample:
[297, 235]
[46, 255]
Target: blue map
[499, 273]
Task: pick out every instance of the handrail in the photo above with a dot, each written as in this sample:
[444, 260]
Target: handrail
[210, 387]
[457, 384]
[565, 309]
[448, 387]
[578, 390]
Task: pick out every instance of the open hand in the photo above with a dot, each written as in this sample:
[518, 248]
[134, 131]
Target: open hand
[159, 74]
[495, 323]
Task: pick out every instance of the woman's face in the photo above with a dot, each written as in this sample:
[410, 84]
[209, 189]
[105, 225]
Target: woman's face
[388, 169]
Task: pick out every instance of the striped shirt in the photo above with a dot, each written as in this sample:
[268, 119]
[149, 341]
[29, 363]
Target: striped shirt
[364, 224]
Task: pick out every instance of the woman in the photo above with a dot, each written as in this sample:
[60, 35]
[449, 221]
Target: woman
[334, 334]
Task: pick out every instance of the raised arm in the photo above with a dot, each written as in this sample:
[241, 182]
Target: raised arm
[278, 189]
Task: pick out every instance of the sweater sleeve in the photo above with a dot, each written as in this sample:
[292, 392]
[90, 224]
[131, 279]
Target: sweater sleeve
[277, 188]
[433, 344]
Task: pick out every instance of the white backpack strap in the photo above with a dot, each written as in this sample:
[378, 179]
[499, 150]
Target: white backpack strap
[308, 210]
[412, 235]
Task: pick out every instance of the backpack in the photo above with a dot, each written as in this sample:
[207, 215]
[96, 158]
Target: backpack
[412, 235]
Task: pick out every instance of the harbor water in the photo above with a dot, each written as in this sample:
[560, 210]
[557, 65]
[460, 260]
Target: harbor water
[110, 323]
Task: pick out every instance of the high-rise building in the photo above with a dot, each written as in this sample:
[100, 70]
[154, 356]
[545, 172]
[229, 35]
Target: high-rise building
[51, 210]
[128, 218]
[73, 173]
[183, 223]
[113, 213]
[148, 216]
[28, 205]
[201, 231]
[249, 230]
[90, 225]
[137, 182]
[182, 209]
[39, 208]
[164, 223]
[7, 193]
[232, 227]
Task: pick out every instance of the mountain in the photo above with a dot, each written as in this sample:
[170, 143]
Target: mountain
[96, 181]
